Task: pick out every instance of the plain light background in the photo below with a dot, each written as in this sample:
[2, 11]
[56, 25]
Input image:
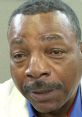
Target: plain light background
[6, 8]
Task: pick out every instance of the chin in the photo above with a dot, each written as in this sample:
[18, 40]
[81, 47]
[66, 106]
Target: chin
[47, 108]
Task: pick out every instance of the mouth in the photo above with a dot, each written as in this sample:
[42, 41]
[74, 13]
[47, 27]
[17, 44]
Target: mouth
[42, 91]
[43, 95]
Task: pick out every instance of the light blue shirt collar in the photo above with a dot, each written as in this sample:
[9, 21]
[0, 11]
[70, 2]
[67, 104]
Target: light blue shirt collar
[30, 109]
[77, 107]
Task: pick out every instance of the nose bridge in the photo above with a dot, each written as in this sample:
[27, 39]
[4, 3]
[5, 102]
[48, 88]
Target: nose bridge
[37, 62]
[37, 66]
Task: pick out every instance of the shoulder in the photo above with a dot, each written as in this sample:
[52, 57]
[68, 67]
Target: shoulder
[5, 90]
[6, 87]
[10, 103]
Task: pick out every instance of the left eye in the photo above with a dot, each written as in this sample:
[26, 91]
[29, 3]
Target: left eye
[55, 52]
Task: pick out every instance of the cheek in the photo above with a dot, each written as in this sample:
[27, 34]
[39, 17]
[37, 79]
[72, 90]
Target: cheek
[17, 76]
[73, 75]
[67, 73]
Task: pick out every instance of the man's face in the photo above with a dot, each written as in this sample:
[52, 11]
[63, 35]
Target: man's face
[45, 59]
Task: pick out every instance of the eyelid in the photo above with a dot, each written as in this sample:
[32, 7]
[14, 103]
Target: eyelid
[52, 53]
[22, 56]
[59, 49]
[17, 53]
[56, 50]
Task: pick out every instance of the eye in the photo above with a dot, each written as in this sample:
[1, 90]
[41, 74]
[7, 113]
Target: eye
[56, 52]
[18, 56]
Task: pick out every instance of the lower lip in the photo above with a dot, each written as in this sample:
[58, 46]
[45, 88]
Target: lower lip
[43, 96]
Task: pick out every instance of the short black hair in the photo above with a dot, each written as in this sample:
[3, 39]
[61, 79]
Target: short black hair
[32, 7]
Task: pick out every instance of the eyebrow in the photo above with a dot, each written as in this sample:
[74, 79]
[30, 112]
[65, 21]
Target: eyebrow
[44, 37]
[17, 41]
[51, 37]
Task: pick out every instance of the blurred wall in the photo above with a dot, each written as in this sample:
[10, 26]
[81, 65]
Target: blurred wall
[6, 8]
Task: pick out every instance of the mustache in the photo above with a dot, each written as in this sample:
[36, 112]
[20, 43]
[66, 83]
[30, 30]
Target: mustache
[42, 85]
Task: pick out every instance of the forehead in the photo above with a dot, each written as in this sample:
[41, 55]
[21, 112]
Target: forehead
[49, 19]
[39, 24]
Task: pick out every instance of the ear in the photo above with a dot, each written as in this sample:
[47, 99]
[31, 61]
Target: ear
[81, 47]
[81, 51]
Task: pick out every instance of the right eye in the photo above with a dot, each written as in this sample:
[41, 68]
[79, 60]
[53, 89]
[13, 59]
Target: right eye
[18, 57]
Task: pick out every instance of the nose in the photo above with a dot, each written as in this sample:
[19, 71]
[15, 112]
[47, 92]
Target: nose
[37, 68]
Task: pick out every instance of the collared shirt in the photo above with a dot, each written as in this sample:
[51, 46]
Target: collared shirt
[77, 107]
[76, 110]
[30, 110]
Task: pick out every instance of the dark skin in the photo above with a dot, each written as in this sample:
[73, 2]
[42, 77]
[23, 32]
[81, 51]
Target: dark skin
[45, 61]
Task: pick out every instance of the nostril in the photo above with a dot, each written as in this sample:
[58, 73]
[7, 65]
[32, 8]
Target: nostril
[46, 74]
[30, 76]
[37, 76]
[37, 73]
